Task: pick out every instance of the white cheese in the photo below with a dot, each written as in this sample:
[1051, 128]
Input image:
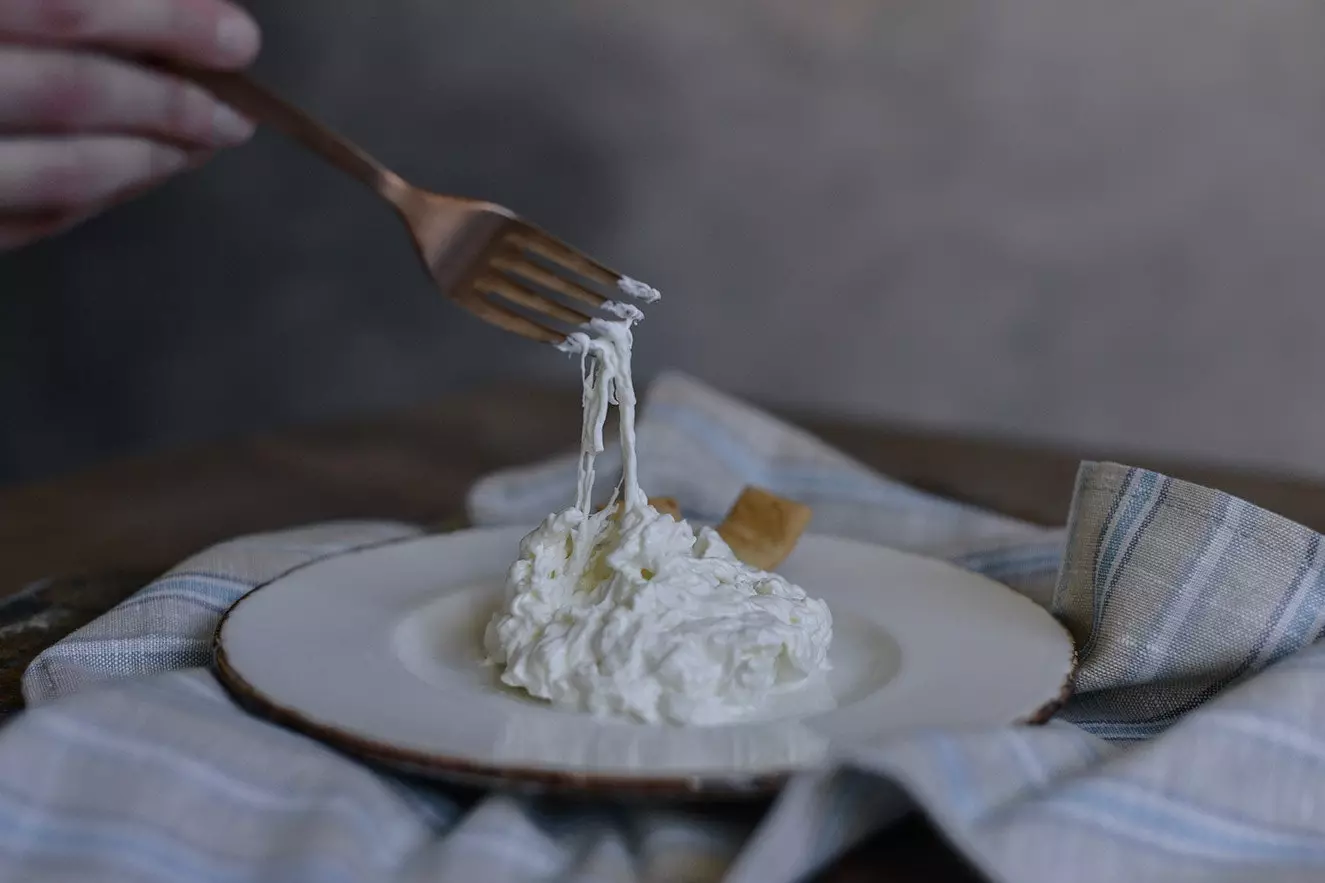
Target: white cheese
[633, 614]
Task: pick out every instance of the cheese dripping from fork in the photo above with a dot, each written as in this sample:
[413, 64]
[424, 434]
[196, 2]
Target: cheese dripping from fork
[631, 613]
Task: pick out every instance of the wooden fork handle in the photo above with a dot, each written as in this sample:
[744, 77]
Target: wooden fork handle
[265, 107]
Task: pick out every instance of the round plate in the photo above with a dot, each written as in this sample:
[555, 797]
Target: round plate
[379, 653]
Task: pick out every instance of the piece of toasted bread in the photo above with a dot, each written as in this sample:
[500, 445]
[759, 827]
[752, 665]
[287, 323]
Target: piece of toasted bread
[665, 505]
[762, 528]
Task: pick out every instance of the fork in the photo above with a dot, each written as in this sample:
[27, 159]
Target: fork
[481, 255]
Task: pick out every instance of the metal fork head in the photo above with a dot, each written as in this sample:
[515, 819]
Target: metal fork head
[504, 270]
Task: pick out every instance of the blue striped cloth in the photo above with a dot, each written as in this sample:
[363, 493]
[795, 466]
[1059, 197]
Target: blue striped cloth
[1194, 749]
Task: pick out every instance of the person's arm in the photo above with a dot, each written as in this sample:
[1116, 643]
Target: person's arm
[81, 128]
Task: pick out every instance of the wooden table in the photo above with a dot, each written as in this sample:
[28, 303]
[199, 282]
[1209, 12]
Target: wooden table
[72, 548]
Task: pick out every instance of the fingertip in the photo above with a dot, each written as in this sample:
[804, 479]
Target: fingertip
[230, 129]
[238, 38]
[164, 160]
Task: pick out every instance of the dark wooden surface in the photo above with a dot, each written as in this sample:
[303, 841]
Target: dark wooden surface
[70, 549]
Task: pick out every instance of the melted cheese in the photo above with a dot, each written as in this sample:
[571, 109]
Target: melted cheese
[634, 614]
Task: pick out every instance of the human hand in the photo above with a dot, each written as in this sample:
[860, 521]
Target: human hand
[82, 128]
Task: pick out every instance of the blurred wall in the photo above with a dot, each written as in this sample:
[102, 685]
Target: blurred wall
[1094, 222]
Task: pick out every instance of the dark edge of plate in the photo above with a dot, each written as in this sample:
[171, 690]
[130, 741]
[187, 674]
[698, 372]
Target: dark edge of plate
[469, 773]
[1045, 712]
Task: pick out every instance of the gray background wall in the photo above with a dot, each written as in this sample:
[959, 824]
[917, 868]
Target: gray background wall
[1073, 220]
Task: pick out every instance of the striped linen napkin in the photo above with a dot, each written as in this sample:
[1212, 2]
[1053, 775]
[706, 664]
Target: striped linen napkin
[1193, 750]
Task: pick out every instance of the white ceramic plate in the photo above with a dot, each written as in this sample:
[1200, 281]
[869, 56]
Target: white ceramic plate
[378, 652]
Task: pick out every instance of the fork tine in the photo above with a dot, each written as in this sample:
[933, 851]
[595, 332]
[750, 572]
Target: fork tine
[529, 300]
[550, 281]
[508, 320]
[545, 246]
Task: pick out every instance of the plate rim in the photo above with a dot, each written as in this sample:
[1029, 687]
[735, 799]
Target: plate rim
[440, 767]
